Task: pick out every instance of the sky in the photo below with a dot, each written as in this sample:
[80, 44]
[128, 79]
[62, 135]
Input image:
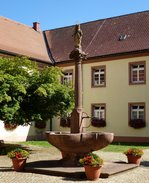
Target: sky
[53, 14]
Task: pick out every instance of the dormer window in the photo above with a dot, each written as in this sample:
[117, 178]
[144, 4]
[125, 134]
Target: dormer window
[122, 37]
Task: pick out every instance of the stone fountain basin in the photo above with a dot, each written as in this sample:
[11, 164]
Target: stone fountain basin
[79, 142]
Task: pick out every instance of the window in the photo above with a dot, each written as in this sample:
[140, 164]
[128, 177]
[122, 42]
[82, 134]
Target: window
[98, 76]
[99, 111]
[137, 112]
[137, 115]
[137, 72]
[67, 77]
[98, 115]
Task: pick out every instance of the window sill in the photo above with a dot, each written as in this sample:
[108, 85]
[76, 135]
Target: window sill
[137, 123]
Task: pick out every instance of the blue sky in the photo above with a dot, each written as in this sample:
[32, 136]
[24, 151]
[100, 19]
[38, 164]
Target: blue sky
[60, 13]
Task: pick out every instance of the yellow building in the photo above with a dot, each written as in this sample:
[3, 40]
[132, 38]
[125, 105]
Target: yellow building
[115, 73]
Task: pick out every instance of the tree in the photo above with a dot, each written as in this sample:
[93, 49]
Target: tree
[27, 94]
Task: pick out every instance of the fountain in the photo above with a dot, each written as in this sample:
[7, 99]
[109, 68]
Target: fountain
[77, 143]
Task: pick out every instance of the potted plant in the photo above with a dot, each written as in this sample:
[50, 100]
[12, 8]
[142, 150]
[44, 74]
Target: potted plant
[19, 157]
[41, 124]
[134, 155]
[65, 122]
[9, 126]
[137, 123]
[92, 164]
[96, 122]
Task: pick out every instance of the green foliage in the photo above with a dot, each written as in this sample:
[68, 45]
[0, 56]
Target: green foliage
[18, 153]
[27, 94]
[121, 147]
[47, 97]
[37, 143]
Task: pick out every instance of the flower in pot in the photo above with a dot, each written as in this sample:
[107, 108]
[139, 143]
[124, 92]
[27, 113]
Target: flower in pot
[40, 124]
[18, 157]
[96, 122]
[134, 155]
[10, 126]
[137, 123]
[92, 164]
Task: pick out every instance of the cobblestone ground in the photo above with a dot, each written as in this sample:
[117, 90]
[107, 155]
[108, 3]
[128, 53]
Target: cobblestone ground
[7, 175]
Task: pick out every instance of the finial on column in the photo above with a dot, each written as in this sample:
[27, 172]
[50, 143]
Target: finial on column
[77, 53]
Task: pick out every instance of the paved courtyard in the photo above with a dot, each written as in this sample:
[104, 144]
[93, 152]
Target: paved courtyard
[7, 175]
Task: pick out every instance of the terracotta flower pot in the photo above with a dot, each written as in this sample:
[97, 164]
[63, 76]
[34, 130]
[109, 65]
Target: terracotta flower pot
[92, 173]
[18, 164]
[134, 159]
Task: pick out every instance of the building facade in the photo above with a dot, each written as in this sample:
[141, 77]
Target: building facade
[115, 73]
[116, 91]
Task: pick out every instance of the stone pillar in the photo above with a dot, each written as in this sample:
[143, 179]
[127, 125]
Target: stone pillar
[77, 55]
[76, 117]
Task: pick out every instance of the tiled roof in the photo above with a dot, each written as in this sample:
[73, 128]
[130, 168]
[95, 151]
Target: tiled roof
[111, 36]
[20, 39]
[115, 35]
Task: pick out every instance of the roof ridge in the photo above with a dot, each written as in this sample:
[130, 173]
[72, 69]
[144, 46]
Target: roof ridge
[140, 12]
[14, 21]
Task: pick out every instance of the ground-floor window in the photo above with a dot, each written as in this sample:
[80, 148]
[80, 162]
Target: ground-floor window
[98, 115]
[137, 115]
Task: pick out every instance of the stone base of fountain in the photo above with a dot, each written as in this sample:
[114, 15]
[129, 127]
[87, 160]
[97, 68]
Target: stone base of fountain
[74, 146]
[54, 168]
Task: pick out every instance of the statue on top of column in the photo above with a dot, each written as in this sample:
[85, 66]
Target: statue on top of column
[77, 53]
[77, 36]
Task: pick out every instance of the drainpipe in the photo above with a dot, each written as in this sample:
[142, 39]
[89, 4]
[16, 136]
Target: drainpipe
[50, 124]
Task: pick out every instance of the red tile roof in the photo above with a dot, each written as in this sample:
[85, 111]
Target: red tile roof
[20, 39]
[102, 37]
[111, 36]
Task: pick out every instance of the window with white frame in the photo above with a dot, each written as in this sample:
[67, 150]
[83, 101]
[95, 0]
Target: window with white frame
[98, 111]
[98, 76]
[67, 77]
[137, 111]
[137, 115]
[137, 72]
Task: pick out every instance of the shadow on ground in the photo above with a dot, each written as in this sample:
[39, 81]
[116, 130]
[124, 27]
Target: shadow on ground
[5, 148]
[145, 163]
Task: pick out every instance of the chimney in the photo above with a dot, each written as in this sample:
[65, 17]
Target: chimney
[36, 26]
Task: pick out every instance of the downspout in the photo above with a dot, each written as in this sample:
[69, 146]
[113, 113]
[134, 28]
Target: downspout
[50, 124]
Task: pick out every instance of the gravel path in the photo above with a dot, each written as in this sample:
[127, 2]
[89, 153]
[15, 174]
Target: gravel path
[7, 175]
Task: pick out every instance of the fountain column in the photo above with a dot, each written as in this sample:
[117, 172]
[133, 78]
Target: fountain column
[76, 144]
[77, 55]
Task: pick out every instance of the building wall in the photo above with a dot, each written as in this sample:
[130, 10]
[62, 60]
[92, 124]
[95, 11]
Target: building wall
[56, 121]
[117, 94]
[23, 133]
